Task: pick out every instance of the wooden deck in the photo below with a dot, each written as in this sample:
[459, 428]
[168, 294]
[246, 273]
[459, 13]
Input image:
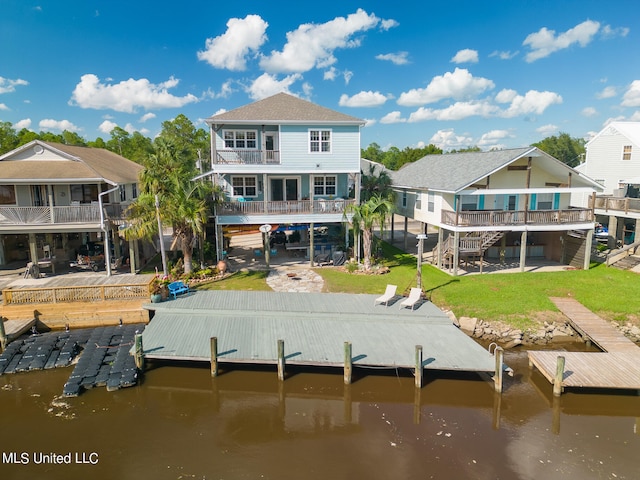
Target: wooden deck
[617, 367]
[314, 327]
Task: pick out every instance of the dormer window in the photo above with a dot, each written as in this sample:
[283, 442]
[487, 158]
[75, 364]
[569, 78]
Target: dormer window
[626, 152]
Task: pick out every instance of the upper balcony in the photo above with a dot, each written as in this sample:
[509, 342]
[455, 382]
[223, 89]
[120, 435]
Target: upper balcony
[513, 218]
[247, 157]
[292, 207]
[69, 215]
[617, 204]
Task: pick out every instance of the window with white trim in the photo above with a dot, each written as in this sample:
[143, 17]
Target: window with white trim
[431, 202]
[244, 186]
[544, 201]
[324, 185]
[123, 193]
[240, 139]
[320, 141]
[626, 152]
[418, 201]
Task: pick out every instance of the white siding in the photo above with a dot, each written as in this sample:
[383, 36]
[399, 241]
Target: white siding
[345, 149]
[604, 160]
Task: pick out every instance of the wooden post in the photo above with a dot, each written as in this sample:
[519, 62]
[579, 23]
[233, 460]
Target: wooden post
[281, 360]
[497, 376]
[214, 356]
[440, 240]
[3, 335]
[347, 363]
[417, 406]
[139, 355]
[557, 381]
[418, 366]
[523, 250]
[497, 406]
[555, 422]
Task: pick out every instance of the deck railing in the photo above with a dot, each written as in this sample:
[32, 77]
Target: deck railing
[248, 157]
[624, 204]
[69, 214]
[497, 218]
[284, 207]
[89, 293]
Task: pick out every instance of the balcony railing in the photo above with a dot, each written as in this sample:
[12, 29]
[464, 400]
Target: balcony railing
[624, 204]
[70, 214]
[248, 157]
[285, 207]
[497, 218]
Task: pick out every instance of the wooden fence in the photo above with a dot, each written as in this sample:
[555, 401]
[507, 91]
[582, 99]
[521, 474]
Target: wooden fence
[90, 293]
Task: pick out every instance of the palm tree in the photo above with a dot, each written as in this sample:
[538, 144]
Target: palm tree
[365, 217]
[376, 182]
[183, 204]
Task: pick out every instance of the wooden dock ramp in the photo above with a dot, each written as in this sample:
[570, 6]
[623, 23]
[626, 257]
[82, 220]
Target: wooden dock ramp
[616, 367]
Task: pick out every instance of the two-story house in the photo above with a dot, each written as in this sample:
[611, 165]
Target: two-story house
[613, 160]
[498, 205]
[285, 162]
[54, 198]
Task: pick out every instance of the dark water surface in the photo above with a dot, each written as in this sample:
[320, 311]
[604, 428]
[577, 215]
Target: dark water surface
[181, 424]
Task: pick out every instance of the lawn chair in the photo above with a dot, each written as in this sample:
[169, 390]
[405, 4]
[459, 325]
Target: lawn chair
[412, 299]
[388, 294]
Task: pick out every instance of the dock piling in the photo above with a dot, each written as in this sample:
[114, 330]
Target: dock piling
[214, 356]
[557, 381]
[497, 376]
[281, 360]
[419, 366]
[139, 355]
[347, 363]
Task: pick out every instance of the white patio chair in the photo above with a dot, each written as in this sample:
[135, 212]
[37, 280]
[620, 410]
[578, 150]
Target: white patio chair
[388, 294]
[412, 299]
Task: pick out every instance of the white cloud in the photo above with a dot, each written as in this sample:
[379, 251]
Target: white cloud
[347, 76]
[547, 130]
[458, 85]
[330, 74]
[368, 122]
[24, 123]
[544, 42]
[609, 32]
[504, 55]
[449, 140]
[266, 85]
[3, 107]
[60, 125]
[491, 138]
[129, 128]
[589, 112]
[388, 24]
[107, 126]
[393, 117]
[631, 97]
[147, 116]
[400, 58]
[635, 117]
[363, 99]
[244, 36]
[531, 102]
[457, 111]
[465, 56]
[127, 96]
[607, 92]
[506, 95]
[313, 45]
[8, 86]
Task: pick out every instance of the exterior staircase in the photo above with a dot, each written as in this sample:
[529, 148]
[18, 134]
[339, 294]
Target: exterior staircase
[627, 263]
[472, 244]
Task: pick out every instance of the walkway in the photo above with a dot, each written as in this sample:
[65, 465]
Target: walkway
[617, 367]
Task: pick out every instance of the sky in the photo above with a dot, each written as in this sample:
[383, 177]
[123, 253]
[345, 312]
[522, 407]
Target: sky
[456, 74]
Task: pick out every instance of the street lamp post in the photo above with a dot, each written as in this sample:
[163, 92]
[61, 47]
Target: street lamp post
[161, 237]
[421, 237]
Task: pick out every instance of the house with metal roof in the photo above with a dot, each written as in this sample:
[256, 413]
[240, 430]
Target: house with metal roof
[283, 161]
[497, 205]
[613, 160]
[54, 198]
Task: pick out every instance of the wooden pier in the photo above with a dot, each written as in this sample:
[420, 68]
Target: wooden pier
[616, 367]
[310, 329]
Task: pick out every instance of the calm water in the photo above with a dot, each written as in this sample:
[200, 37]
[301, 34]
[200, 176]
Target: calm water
[181, 424]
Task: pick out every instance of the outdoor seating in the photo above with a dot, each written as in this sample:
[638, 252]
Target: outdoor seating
[388, 294]
[177, 287]
[412, 299]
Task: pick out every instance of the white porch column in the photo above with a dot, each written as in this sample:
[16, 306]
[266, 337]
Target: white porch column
[440, 240]
[523, 250]
[456, 252]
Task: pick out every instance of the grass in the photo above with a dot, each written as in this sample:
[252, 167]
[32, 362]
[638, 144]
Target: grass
[253, 280]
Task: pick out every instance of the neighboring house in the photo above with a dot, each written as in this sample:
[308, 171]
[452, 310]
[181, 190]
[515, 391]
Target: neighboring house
[284, 162]
[613, 160]
[499, 205]
[50, 199]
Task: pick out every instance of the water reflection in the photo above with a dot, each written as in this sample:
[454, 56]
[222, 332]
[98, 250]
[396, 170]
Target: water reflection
[181, 423]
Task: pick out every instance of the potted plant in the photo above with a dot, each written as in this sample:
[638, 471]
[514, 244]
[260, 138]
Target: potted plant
[155, 289]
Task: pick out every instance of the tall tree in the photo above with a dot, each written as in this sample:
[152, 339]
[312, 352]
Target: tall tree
[365, 216]
[566, 149]
[375, 181]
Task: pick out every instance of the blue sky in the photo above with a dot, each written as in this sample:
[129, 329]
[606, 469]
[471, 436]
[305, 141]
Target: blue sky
[495, 74]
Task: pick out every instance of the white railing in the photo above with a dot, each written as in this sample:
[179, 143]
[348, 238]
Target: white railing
[258, 207]
[498, 218]
[87, 213]
[248, 157]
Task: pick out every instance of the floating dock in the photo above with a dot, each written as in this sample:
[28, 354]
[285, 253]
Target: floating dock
[617, 367]
[313, 328]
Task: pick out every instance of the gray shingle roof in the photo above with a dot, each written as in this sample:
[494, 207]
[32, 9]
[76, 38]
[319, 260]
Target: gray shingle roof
[452, 172]
[283, 108]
